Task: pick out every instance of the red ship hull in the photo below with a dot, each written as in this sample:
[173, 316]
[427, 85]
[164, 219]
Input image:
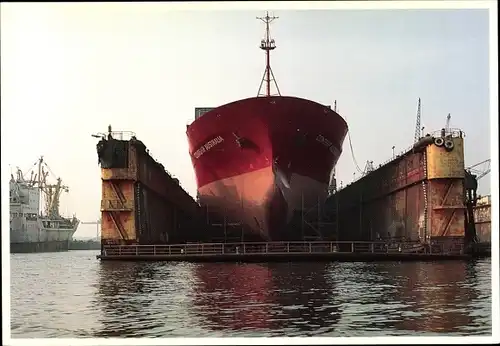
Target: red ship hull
[260, 159]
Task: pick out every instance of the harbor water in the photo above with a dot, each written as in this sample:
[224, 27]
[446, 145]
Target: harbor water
[67, 295]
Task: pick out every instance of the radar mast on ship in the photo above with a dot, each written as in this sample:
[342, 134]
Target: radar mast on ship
[267, 44]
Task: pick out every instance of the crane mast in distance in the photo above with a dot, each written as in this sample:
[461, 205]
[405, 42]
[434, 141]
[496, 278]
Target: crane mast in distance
[97, 223]
[447, 127]
[417, 125]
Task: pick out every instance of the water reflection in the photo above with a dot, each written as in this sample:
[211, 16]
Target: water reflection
[279, 298]
[439, 296]
[422, 297]
[125, 298]
[87, 298]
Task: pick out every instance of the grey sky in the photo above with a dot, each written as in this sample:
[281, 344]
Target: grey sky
[69, 71]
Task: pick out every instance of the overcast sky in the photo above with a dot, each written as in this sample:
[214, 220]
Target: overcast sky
[69, 71]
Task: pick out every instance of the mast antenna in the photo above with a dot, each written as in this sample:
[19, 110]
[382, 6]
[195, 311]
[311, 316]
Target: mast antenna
[267, 44]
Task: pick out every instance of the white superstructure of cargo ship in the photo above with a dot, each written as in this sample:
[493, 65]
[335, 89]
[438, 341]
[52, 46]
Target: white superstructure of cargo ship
[33, 228]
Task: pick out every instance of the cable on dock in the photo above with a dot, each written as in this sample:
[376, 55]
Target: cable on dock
[352, 152]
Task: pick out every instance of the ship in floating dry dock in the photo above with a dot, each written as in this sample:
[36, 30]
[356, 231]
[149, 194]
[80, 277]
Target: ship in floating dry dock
[423, 196]
[417, 197]
[259, 161]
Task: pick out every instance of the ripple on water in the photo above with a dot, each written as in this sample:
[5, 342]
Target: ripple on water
[74, 295]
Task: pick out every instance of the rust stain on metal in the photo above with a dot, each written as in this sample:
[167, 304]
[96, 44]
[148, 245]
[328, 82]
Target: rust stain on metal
[117, 208]
[443, 163]
[417, 196]
[446, 171]
[446, 215]
[387, 203]
[482, 217]
[141, 202]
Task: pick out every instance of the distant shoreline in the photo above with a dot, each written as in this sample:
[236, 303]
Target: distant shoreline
[85, 245]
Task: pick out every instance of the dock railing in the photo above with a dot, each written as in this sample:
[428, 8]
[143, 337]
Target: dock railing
[254, 248]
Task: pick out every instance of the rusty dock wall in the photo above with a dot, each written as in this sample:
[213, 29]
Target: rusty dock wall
[418, 195]
[482, 218]
[141, 202]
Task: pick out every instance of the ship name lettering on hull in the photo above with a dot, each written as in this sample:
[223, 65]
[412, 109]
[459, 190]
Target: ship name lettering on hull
[327, 144]
[207, 146]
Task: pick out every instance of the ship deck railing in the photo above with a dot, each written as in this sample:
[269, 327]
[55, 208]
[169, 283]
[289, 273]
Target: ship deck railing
[290, 248]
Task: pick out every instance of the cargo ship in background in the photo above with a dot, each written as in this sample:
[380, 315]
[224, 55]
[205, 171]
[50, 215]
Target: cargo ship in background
[30, 229]
[258, 161]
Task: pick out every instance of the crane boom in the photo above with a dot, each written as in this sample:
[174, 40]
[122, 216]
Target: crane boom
[97, 223]
[480, 173]
[417, 126]
[471, 178]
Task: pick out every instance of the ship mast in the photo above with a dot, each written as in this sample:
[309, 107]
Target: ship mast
[52, 192]
[267, 44]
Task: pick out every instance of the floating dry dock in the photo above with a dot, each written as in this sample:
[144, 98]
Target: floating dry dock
[287, 251]
[418, 206]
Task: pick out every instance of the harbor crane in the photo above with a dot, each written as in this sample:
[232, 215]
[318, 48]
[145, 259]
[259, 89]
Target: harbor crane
[368, 168]
[51, 192]
[480, 169]
[97, 223]
[472, 175]
[417, 126]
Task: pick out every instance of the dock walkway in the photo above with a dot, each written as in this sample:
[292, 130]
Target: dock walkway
[286, 251]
